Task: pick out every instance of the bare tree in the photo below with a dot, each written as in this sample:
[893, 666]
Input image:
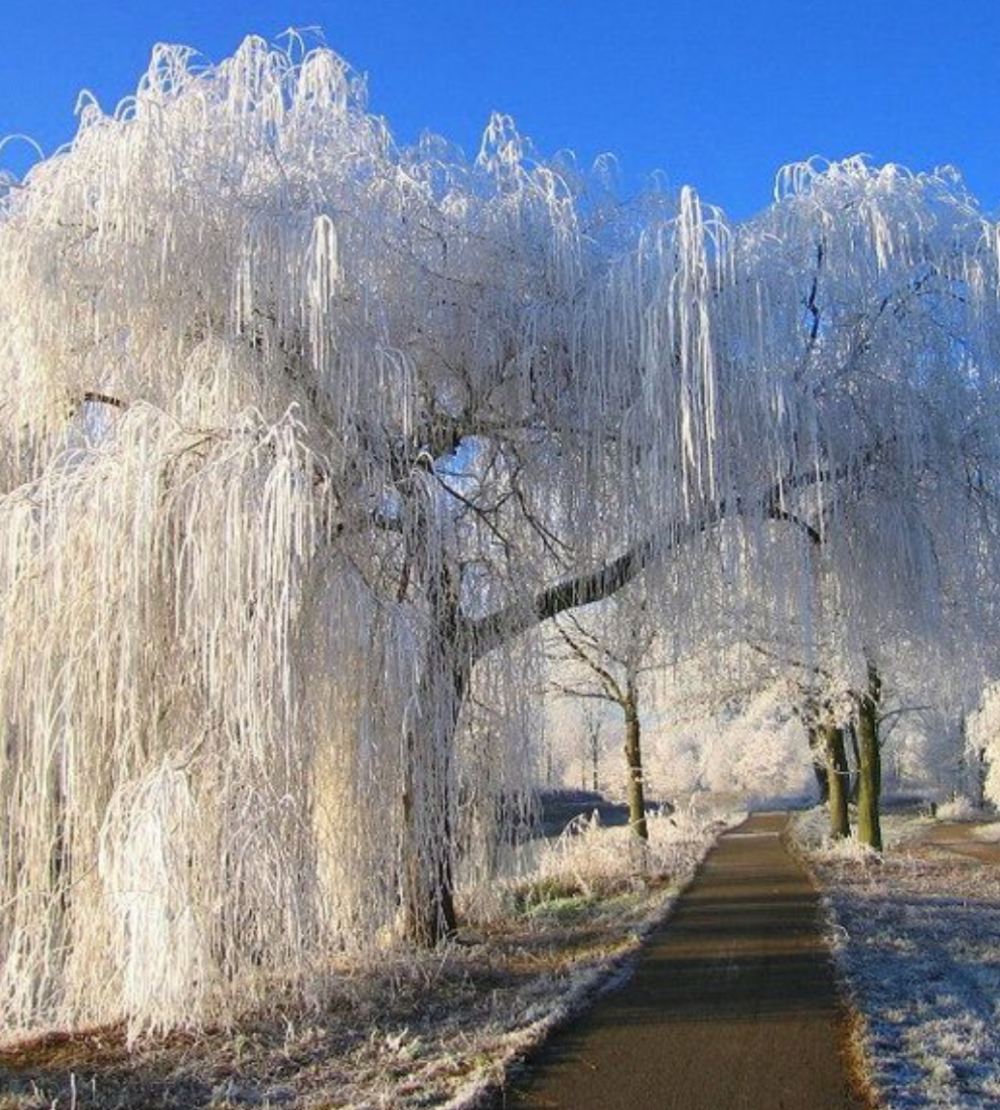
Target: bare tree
[603, 656]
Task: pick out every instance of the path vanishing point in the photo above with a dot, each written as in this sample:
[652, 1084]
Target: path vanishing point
[733, 1005]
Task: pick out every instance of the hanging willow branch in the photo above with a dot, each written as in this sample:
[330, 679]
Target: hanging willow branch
[347, 421]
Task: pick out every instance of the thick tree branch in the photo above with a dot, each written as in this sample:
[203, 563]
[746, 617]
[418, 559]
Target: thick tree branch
[104, 399]
[776, 513]
[490, 631]
[487, 633]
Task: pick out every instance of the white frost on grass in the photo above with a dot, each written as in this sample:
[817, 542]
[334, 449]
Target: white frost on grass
[959, 809]
[416, 1030]
[594, 860]
[917, 937]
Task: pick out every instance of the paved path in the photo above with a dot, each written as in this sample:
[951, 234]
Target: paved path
[733, 1004]
[960, 838]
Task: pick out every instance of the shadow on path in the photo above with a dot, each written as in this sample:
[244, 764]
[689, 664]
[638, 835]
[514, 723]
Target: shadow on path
[733, 1004]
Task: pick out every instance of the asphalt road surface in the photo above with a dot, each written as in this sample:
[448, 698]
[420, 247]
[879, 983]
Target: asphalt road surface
[960, 838]
[733, 1005]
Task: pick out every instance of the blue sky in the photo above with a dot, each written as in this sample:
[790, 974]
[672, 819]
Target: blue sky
[714, 94]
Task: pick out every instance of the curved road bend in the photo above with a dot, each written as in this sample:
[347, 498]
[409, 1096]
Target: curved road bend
[733, 1004]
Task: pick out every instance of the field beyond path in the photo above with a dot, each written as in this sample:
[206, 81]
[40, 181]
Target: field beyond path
[733, 1004]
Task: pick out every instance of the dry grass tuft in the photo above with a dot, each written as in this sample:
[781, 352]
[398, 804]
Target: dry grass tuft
[417, 1030]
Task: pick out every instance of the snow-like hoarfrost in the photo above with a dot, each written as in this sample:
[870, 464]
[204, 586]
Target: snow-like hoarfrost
[917, 936]
[983, 740]
[958, 809]
[406, 1031]
[593, 860]
[303, 435]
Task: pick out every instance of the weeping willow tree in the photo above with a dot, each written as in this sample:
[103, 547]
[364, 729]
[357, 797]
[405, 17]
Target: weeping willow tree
[305, 435]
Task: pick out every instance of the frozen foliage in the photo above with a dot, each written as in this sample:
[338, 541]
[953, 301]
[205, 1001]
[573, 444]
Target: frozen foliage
[754, 746]
[983, 741]
[918, 938]
[303, 434]
[410, 1030]
[591, 860]
[958, 809]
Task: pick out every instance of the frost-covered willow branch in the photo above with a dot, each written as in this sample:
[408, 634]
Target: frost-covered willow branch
[303, 434]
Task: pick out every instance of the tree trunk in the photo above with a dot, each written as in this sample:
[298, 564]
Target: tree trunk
[427, 878]
[819, 761]
[428, 875]
[979, 772]
[855, 779]
[838, 780]
[869, 763]
[633, 757]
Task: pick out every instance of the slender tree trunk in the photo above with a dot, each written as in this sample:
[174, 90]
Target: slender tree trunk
[979, 771]
[838, 779]
[974, 760]
[633, 757]
[817, 751]
[869, 763]
[855, 778]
